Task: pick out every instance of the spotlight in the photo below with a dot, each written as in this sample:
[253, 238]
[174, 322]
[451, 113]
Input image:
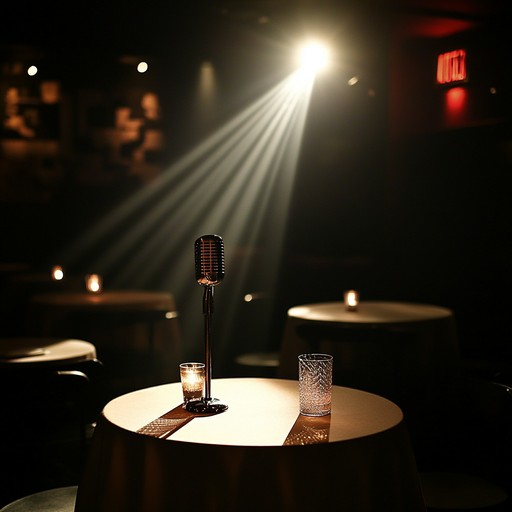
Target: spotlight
[142, 67]
[313, 57]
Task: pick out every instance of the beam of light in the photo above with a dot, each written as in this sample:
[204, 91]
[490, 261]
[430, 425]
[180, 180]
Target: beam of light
[236, 183]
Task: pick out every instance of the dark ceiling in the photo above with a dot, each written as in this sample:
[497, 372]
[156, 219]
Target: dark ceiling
[42, 18]
[164, 25]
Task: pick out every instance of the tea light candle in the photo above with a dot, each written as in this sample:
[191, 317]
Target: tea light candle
[351, 300]
[93, 283]
[57, 273]
[192, 380]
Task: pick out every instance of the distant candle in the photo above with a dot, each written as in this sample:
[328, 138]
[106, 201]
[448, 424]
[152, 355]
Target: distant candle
[351, 300]
[93, 283]
[57, 273]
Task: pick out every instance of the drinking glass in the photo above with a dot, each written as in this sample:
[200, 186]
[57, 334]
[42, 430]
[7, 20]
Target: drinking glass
[315, 384]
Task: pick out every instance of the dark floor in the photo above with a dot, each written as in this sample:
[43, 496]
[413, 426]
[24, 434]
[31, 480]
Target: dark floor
[43, 462]
[45, 454]
[58, 461]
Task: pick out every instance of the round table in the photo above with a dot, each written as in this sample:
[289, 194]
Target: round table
[10, 268]
[259, 454]
[108, 300]
[375, 313]
[44, 352]
[403, 351]
[136, 332]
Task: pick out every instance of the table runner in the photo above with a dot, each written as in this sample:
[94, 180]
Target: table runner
[305, 430]
[168, 423]
[309, 430]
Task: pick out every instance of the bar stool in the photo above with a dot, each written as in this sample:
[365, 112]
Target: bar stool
[60, 499]
[469, 467]
[48, 404]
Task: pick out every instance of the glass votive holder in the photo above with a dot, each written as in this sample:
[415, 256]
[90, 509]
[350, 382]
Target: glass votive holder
[315, 384]
[192, 381]
[93, 283]
[351, 299]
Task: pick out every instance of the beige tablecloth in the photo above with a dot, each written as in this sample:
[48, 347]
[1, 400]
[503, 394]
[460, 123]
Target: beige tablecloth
[403, 351]
[240, 460]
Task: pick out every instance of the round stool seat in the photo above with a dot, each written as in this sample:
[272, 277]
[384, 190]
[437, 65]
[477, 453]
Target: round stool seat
[258, 364]
[270, 359]
[61, 499]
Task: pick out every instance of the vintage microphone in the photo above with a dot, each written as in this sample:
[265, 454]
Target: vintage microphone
[209, 259]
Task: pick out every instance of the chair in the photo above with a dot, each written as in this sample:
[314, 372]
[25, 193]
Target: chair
[139, 347]
[60, 499]
[51, 392]
[466, 464]
[48, 417]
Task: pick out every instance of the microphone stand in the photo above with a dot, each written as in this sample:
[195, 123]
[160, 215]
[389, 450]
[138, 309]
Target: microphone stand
[208, 311]
[207, 404]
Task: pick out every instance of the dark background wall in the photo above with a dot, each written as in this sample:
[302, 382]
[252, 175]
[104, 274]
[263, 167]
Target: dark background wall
[392, 196]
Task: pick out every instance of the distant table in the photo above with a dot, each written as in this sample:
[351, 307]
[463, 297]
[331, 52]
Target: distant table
[109, 300]
[377, 313]
[44, 352]
[10, 268]
[400, 350]
[18, 289]
[136, 332]
[258, 455]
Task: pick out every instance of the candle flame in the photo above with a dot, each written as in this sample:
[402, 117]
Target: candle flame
[351, 300]
[93, 283]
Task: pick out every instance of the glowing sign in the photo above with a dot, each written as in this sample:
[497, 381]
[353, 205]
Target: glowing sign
[451, 67]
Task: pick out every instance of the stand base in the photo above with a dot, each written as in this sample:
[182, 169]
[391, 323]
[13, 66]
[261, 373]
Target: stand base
[206, 406]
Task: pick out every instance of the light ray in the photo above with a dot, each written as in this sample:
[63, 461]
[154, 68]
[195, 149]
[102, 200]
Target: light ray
[236, 183]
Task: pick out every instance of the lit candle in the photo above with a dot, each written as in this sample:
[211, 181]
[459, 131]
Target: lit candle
[93, 283]
[351, 300]
[57, 273]
[192, 380]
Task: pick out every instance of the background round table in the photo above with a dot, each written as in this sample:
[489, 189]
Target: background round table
[403, 351]
[136, 332]
[44, 352]
[371, 313]
[112, 300]
[252, 457]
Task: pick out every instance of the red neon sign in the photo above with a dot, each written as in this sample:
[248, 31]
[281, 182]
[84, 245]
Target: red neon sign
[451, 67]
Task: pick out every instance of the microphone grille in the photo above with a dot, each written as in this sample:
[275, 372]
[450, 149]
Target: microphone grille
[209, 259]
